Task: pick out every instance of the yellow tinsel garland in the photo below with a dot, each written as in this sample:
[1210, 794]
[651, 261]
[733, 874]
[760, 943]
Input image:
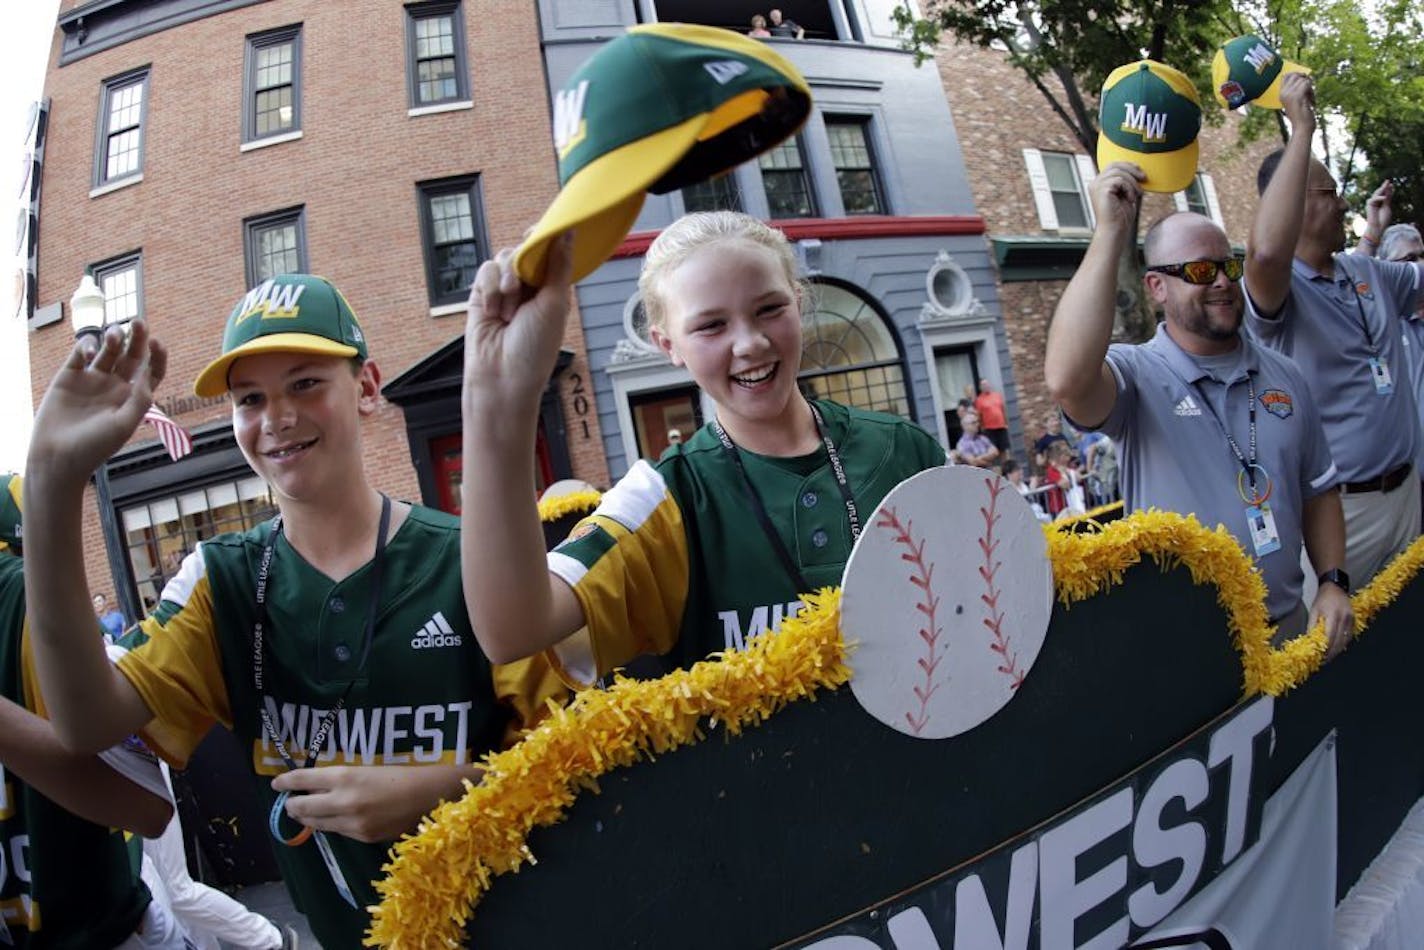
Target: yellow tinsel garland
[552, 509]
[438, 875]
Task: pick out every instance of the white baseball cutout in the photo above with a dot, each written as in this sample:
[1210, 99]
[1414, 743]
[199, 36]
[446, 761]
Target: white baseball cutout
[947, 597]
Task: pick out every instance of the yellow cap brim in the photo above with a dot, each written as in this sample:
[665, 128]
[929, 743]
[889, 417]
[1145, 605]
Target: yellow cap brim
[601, 202]
[1220, 73]
[212, 381]
[1167, 172]
[1271, 98]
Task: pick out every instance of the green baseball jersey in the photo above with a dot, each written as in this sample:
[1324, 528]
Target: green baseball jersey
[425, 695]
[64, 882]
[674, 561]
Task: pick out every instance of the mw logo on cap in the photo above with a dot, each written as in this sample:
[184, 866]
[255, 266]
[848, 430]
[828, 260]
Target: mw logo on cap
[569, 126]
[1260, 56]
[725, 70]
[1151, 126]
[271, 301]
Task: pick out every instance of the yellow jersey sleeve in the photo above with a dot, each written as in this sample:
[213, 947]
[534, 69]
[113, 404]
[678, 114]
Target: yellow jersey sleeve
[177, 670]
[29, 676]
[527, 687]
[628, 565]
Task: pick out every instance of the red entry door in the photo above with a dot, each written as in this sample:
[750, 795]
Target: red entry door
[445, 453]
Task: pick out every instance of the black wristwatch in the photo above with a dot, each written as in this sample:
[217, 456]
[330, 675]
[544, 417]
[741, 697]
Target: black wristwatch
[1337, 577]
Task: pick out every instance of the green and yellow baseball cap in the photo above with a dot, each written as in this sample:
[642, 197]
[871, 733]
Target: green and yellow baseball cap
[293, 313]
[11, 531]
[1149, 114]
[663, 106]
[1247, 69]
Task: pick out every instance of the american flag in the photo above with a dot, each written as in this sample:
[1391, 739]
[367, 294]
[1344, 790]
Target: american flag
[175, 438]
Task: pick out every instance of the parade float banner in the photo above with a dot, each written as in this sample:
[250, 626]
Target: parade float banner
[1182, 836]
[754, 801]
[1280, 893]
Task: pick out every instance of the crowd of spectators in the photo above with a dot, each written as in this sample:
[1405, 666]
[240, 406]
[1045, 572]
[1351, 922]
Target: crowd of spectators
[1064, 475]
[775, 24]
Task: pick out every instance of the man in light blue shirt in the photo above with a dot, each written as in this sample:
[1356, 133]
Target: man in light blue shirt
[110, 621]
[1206, 422]
[1401, 243]
[1337, 316]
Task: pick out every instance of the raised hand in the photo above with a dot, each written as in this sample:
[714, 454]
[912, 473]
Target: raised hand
[512, 331]
[1116, 193]
[97, 400]
[1378, 211]
[1298, 103]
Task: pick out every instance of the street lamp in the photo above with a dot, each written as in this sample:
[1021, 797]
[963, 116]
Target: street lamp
[86, 316]
[86, 308]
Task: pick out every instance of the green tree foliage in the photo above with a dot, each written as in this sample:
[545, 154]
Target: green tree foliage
[1394, 152]
[1066, 48]
[1367, 58]
[1368, 63]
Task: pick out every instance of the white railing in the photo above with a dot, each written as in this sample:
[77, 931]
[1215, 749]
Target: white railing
[1084, 494]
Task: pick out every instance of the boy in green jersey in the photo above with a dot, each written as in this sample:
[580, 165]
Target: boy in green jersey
[67, 878]
[336, 636]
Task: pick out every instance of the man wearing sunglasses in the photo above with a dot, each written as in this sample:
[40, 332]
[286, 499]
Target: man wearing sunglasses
[1207, 422]
[1338, 317]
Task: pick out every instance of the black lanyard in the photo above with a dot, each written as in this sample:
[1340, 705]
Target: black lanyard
[1248, 463]
[759, 509]
[259, 641]
[1359, 306]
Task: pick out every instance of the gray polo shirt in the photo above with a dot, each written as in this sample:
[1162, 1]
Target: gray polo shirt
[1322, 329]
[1412, 336]
[1173, 455]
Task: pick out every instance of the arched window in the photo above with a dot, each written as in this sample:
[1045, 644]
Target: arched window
[849, 354]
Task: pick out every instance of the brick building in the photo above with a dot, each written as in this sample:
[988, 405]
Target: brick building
[1028, 175]
[192, 148]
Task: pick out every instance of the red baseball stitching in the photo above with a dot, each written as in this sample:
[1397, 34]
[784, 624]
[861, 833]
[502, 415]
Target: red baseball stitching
[922, 577]
[989, 571]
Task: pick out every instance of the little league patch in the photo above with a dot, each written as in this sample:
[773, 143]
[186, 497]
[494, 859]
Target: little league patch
[1278, 403]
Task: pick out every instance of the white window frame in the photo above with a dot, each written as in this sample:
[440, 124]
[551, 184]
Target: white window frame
[257, 42]
[103, 179]
[108, 270]
[253, 228]
[1208, 188]
[977, 333]
[1043, 194]
[943, 328]
[430, 10]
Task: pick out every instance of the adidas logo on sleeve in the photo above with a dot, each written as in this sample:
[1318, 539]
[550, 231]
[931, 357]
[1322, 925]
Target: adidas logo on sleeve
[1187, 407]
[435, 633]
